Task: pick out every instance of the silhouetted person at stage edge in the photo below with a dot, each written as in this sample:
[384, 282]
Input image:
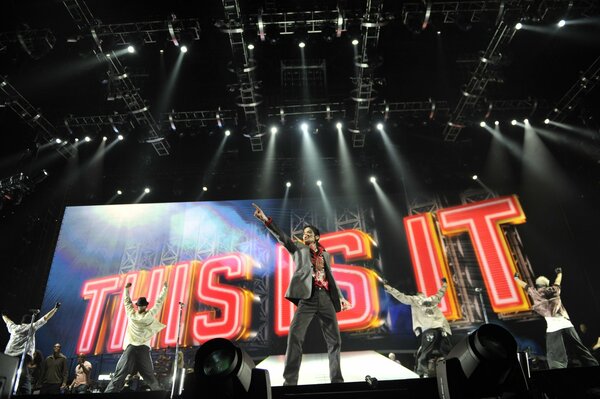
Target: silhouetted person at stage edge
[562, 342]
[314, 290]
[430, 324]
[15, 347]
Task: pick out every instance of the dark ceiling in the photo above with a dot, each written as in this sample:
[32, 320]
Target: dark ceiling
[534, 67]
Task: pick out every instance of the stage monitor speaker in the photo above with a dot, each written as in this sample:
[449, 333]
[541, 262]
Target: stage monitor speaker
[8, 374]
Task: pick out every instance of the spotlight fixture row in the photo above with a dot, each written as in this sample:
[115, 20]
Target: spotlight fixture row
[513, 122]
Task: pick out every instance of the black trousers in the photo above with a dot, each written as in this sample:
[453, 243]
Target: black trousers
[134, 358]
[564, 345]
[434, 344]
[320, 305]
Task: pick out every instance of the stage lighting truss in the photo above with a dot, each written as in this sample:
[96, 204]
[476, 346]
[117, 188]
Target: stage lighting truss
[148, 31]
[174, 121]
[33, 117]
[14, 188]
[85, 21]
[364, 93]
[249, 99]
[586, 82]
[35, 42]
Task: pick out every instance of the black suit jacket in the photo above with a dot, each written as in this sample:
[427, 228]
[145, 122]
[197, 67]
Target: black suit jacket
[301, 284]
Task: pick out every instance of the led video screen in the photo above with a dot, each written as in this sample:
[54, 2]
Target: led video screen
[227, 275]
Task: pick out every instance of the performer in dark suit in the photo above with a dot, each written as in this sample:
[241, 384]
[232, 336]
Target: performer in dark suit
[314, 290]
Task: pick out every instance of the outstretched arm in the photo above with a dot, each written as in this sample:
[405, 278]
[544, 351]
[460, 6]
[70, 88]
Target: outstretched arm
[401, 297]
[279, 235]
[520, 282]
[159, 301]
[559, 275]
[7, 320]
[52, 312]
[437, 298]
[129, 309]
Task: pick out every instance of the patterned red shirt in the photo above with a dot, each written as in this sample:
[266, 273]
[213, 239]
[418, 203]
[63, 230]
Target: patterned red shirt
[319, 276]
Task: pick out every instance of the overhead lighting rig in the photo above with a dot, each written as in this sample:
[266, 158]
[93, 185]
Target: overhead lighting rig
[136, 105]
[14, 188]
[32, 116]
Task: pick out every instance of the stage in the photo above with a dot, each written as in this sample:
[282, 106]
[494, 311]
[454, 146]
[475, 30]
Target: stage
[355, 367]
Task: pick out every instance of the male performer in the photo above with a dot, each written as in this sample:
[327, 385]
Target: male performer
[18, 340]
[81, 382]
[429, 323]
[54, 372]
[314, 290]
[141, 328]
[562, 342]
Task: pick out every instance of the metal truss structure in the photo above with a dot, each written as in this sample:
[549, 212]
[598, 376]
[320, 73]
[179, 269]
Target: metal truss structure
[148, 31]
[129, 93]
[366, 61]
[33, 117]
[35, 42]
[173, 120]
[244, 67]
[586, 82]
[474, 91]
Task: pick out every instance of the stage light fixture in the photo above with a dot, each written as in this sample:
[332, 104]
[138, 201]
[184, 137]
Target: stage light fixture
[58, 141]
[227, 132]
[204, 188]
[474, 177]
[518, 26]
[119, 192]
[162, 51]
[483, 364]
[76, 139]
[146, 190]
[273, 129]
[482, 124]
[88, 139]
[319, 183]
[546, 121]
[251, 46]
[288, 184]
[104, 138]
[513, 122]
[130, 49]
[355, 42]
[439, 32]
[183, 49]
[372, 179]
[120, 137]
[338, 125]
[496, 123]
[380, 126]
[526, 121]
[224, 367]
[561, 23]
[304, 127]
[301, 44]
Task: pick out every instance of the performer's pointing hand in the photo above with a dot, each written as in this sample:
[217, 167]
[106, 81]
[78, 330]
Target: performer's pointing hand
[127, 285]
[259, 214]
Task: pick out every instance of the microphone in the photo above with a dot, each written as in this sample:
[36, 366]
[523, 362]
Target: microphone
[478, 290]
[181, 303]
[34, 311]
[371, 381]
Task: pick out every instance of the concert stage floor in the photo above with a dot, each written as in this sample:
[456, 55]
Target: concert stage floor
[355, 367]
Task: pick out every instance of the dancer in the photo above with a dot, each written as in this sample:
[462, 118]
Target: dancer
[20, 340]
[562, 342]
[430, 324]
[141, 328]
[314, 290]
